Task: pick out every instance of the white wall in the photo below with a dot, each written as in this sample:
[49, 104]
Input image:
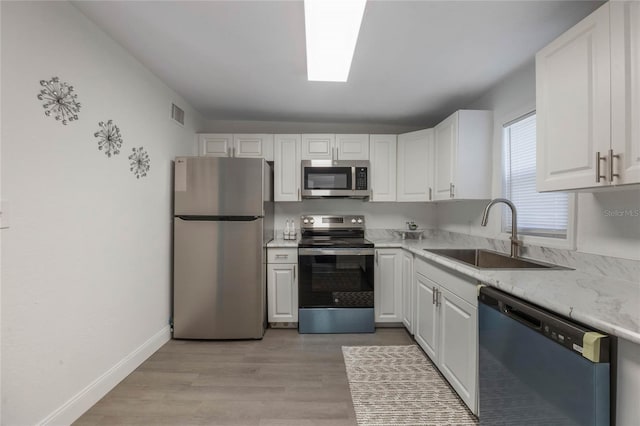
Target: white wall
[377, 215]
[86, 261]
[597, 231]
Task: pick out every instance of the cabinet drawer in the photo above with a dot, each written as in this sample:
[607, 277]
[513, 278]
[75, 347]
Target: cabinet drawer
[282, 255]
[457, 283]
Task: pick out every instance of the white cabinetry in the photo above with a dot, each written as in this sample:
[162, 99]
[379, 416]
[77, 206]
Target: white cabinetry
[287, 177]
[388, 285]
[282, 285]
[415, 166]
[318, 146]
[625, 90]
[335, 147]
[447, 326]
[215, 144]
[587, 95]
[426, 329]
[253, 146]
[382, 157]
[236, 145]
[352, 147]
[408, 301]
[459, 344]
[463, 156]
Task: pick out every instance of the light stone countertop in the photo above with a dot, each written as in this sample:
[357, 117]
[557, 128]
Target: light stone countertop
[600, 292]
[611, 305]
[282, 243]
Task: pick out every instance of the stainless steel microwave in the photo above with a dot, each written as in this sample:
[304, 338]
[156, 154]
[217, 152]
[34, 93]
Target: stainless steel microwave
[335, 179]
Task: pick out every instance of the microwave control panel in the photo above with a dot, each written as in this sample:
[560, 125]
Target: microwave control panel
[361, 178]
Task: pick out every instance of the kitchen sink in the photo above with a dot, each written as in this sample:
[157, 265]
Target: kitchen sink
[487, 259]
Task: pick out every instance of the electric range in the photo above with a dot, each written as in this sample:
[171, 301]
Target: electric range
[335, 284]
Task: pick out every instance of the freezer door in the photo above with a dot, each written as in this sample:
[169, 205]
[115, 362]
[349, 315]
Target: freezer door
[206, 186]
[219, 279]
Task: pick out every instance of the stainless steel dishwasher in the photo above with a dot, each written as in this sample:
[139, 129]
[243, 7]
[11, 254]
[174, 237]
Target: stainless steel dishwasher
[537, 368]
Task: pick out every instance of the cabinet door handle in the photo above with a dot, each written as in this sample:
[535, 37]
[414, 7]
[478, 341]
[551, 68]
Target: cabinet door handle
[611, 166]
[376, 257]
[598, 160]
[438, 297]
[294, 272]
[430, 194]
[298, 194]
[434, 295]
[282, 256]
[451, 190]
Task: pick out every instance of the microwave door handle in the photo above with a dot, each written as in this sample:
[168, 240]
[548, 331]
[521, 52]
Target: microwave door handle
[353, 178]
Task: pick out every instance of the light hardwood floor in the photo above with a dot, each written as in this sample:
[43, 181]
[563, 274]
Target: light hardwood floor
[284, 379]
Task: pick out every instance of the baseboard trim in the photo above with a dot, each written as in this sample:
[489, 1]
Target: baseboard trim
[71, 410]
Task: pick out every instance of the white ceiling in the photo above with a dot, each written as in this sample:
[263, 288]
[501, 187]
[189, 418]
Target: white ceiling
[415, 61]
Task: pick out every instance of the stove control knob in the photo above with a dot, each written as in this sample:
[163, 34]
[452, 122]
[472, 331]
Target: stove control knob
[359, 220]
[353, 220]
[305, 220]
[311, 220]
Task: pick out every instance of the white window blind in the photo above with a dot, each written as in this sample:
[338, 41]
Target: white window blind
[540, 214]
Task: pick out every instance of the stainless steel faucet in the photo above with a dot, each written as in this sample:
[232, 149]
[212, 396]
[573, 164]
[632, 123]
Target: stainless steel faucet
[515, 242]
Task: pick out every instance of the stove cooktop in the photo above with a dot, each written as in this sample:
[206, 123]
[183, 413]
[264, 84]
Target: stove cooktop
[325, 241]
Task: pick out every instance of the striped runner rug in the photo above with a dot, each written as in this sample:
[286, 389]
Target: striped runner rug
[398, 385]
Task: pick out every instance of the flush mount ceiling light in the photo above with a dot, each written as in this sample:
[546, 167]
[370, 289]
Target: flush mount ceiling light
[332, 32]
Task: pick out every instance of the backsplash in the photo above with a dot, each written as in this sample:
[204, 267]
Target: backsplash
[611, 267]
[377, 215]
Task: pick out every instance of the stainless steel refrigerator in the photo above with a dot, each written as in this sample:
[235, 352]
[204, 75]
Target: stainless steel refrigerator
[223, 220]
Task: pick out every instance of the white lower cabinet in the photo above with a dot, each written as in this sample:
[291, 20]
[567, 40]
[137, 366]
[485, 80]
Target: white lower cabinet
[408, 305]
[447, 326]
[388, 285]
[282, 286]
[426, 333]
[458, 345]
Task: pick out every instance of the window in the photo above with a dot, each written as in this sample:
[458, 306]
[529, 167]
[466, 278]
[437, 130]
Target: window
[539, 214]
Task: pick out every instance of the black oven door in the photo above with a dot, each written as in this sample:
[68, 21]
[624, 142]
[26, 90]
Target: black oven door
[335, 277]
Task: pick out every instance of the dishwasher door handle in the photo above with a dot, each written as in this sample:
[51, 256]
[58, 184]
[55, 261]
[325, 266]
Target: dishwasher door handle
[520, 316]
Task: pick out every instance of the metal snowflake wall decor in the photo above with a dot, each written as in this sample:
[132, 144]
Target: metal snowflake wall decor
[140, 162]
[109, 138]
[60, 101]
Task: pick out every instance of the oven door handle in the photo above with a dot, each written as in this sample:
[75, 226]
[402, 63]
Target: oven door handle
[364, 251]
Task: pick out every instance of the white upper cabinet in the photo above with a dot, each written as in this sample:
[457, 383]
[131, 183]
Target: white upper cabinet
[463, 156]
[253, 146]
[587, 90]
[382, 151]
[215, 144]
[318, 146]
[335, 147]
[573, 105]
[415, 166]
[625, 91]
[287, 167]
[352, 147]
[236, 145]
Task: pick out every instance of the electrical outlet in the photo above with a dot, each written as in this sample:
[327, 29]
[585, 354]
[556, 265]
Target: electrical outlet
[4, 214]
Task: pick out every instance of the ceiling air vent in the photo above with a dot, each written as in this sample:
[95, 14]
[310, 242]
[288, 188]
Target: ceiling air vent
[177, 114]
